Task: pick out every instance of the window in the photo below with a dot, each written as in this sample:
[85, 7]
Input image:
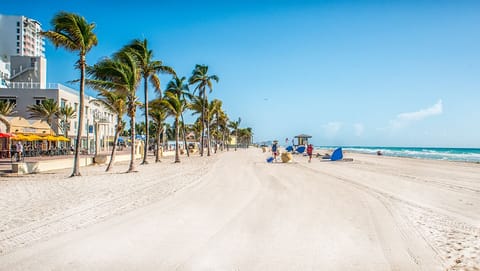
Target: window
[75, 107]
[18, 30]
[62, 103]
[12, 100]
[39, 100]
[18, 51]
[18, 44]
[18, 24]
[18, 37]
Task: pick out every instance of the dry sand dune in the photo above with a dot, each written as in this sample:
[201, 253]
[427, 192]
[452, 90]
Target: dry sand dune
[234, 211]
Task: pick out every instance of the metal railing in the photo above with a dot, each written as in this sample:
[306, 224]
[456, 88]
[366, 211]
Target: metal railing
[32, 85]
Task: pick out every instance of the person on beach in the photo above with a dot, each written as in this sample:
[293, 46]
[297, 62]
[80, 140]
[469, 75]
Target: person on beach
[310, 152]
[19, 149]
[275, 151]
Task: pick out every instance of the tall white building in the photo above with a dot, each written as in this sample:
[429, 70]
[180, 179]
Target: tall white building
[4, 72]
[20, 36]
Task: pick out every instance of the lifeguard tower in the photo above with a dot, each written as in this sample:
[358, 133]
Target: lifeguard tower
[302, 139]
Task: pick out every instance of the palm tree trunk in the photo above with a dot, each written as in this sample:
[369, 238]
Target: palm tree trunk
[159, 145]
[208, 125]
[223, 141]
[236, 141]
[177, 134]
[202, 128]
[115, 140]
[145, 151]
[131, 167]
[185, 136]
[76, 159]
[227, 139]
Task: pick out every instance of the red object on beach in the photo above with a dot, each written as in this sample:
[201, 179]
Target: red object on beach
[310, 149]
[6, 135]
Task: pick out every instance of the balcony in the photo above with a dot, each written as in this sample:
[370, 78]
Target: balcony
[31, 85]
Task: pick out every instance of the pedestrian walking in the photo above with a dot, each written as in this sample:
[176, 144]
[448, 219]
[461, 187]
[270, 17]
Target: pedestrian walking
[310, 152]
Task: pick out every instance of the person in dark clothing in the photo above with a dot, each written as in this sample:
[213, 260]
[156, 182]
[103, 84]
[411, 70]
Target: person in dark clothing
[275, 151]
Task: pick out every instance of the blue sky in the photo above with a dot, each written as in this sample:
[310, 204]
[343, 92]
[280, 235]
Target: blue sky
[391, 73]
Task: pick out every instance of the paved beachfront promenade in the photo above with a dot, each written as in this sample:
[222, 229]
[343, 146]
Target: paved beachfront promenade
[234, 211]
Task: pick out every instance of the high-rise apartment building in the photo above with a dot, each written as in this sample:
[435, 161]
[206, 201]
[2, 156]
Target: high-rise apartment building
[20, 36]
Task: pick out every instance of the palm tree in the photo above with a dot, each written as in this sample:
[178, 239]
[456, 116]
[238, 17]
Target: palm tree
[158, 114]
[140, 128]
[234, 125]
[115, 102]
[245, 135]
[197, 105]
[47, 110]
[222, 122]
[203, 80]
[214, 108]
[6, 109]
[65, 114]
[175, 106]
[218, 122]
[122, 75]
[179, 88]
[75, 34]
[149, 69]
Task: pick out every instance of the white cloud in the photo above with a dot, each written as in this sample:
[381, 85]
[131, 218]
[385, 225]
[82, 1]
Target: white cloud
[332, 129]
[404, 119]
[359, 129]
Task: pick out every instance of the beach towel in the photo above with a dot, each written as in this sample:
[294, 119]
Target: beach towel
[269, 159]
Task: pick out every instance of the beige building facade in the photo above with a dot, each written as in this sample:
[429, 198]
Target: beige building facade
[99, 123]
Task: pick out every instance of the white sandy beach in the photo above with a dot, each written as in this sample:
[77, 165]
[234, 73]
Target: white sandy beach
[234, 211]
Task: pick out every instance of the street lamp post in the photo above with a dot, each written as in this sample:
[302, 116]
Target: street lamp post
[96, 119]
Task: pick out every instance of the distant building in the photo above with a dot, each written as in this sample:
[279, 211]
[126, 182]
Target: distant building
[20, 36]
[22, 51]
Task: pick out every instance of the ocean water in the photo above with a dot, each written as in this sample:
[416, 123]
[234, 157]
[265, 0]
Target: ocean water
[449, 154]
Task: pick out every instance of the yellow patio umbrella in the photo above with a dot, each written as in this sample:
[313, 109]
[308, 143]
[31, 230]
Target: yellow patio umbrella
[34, 138]
[50, 138]
[62, 138]
[20, 137]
